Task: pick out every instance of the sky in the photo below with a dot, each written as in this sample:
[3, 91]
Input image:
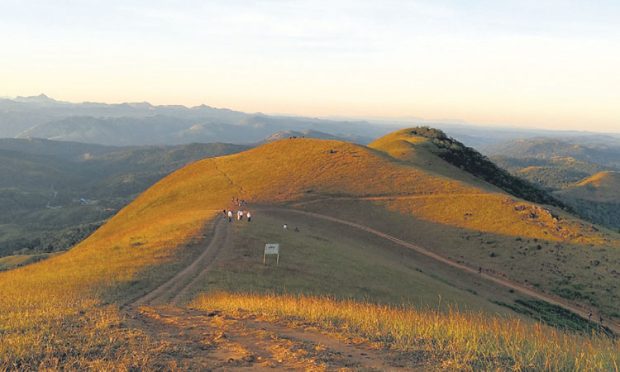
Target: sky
[530, 63]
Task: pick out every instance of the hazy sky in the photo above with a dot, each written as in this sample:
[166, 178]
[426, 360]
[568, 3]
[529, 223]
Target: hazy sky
[544, 63]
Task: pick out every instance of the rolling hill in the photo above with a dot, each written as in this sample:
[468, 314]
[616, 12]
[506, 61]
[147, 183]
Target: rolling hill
[395, 229]
[601, 187]
[573, 170]
[603, 151]
[597, 198]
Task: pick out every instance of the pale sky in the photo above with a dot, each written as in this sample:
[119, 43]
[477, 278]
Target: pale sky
[530, 63]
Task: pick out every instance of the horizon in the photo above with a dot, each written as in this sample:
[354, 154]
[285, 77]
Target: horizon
[516, 64]
[396, 122]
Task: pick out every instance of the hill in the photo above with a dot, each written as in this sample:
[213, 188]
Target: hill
[53, 194]
[597, 198]
[569, 168]
[426, 147]
[601, 187]
[348, 201]
[551, 174]
[604, 152]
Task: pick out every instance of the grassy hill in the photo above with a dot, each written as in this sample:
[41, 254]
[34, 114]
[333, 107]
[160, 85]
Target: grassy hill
[601, 187]
[570, 169]
[64, 311]
[597, 198]
[426, 147]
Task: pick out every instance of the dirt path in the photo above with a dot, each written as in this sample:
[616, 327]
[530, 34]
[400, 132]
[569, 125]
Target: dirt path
[384, 198]
[195, 340]
[175, 288]
[501, 281]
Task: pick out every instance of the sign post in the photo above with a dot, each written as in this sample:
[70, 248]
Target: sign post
[272, 248]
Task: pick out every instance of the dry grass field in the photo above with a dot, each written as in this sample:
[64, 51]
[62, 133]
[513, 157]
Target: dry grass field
[66, 311]
[453, 340]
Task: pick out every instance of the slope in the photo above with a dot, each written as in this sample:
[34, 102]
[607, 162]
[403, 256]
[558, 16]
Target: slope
[597, 198]
[53, 194]
[141, 248]
[601, 187]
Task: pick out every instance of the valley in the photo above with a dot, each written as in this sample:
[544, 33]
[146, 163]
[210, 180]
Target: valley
[579, 171]
[54, 194]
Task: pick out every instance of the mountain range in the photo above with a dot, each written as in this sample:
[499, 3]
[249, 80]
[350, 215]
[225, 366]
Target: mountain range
[580, 171]
[130, 124]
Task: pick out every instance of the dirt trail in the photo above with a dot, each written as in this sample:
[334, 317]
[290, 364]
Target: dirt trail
[384, 198]
[501, 281]
[197, 340]
[172, 290]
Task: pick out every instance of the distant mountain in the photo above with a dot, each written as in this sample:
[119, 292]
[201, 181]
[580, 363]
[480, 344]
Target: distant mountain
[580, 171]
[130, 124]
[603, 187]
[53, 194]
[601, 150]
[596, 198]
[552, 174]
[300, 134]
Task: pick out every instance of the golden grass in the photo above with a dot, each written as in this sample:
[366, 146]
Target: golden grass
[53, 313]
[455, 340]
[10, 262]
[61, 301]
[481, 206]
[601, 187]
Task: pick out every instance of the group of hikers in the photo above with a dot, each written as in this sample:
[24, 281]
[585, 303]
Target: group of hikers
[240, 213]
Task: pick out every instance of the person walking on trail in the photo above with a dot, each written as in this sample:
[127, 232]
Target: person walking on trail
[230, 216]
[239, 215]
[285, 227]
[249, 215]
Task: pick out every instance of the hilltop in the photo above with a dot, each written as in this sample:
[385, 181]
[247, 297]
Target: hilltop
[601, 187]
[387, 224]
[597, 198]
[426, 147]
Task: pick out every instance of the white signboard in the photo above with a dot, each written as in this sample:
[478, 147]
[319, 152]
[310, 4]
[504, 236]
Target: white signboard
[272, 248]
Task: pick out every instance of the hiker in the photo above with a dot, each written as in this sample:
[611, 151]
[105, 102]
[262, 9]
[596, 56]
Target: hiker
[480, 270]
[285, 227]
[600, 319]
[296, 229]
[224, 212]
[230, 216]
[239, 215]
[249, 216]
[590, 316]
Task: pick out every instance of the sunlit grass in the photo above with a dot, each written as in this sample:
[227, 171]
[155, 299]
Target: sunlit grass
[56, 312]
[454, 339]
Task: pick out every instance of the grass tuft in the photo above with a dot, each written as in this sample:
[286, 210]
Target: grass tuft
[454, 339]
